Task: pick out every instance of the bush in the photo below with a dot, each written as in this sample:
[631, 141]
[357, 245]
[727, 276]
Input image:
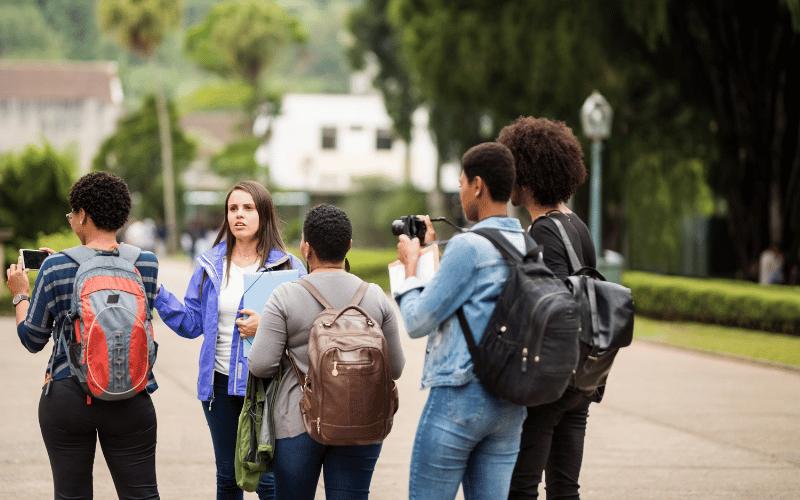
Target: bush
[368, 264]
[237, 160]
[723, 302]
[374, 205]
[371, 265]
[58, 241]
[34, 190]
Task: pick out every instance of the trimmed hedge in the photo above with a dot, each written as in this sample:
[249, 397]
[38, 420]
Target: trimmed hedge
[371, 265]
[368, 264]
[722, 302]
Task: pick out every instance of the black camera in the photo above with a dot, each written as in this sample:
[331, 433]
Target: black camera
[410, 225]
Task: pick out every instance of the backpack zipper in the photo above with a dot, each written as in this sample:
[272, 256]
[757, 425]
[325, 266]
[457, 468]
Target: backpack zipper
[336, 364]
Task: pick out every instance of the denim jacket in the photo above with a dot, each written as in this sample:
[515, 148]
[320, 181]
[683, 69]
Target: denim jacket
[199, 315]
[471, 274]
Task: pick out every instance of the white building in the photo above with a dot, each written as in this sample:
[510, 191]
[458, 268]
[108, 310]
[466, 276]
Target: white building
[72, 105]
[322, 143]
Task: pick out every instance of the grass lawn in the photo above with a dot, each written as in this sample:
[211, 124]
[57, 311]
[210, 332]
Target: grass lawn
[753, 344]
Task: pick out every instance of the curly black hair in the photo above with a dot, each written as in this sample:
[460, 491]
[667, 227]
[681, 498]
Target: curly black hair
[328, 230]
[548, 157]
[105, 197]
[494, 163]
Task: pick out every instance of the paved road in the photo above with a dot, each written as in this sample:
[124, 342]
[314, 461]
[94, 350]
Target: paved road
[674, 425]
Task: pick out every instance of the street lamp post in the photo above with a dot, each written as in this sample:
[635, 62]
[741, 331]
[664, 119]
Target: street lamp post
[596, 117]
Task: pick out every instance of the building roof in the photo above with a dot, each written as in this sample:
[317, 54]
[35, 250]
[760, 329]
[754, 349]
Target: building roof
[60, 80]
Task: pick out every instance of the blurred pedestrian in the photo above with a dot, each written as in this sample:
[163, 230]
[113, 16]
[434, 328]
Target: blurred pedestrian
[770, 266]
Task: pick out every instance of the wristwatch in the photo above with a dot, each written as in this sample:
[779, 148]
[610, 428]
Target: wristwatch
[19, 298]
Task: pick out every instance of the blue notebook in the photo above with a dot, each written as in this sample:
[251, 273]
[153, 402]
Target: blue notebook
[258, 288]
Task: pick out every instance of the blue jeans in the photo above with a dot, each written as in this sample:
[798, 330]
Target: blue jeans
[222, 416]
[465, 435]
[347, 469]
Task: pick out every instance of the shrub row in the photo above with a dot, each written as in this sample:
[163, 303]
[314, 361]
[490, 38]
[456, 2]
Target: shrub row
[368, 264]
[371, 265]
[723, 302]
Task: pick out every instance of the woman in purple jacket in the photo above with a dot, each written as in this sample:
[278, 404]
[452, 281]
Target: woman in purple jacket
[248, 242]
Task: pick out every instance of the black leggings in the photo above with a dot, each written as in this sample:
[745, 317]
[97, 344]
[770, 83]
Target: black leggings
[552, 440]
[127, 433]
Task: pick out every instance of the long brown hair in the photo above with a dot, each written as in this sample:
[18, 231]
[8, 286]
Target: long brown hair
[269, 235]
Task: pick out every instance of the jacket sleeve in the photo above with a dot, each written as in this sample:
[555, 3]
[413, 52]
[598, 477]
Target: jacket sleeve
[424, 309]
[184, 319]
[297, 264]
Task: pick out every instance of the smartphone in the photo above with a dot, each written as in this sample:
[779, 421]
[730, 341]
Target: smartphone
[32, 259]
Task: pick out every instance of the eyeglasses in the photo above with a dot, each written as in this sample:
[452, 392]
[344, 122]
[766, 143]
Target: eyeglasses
[69, 216]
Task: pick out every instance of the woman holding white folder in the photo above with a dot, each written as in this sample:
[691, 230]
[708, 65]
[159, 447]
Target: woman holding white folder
[249, 241]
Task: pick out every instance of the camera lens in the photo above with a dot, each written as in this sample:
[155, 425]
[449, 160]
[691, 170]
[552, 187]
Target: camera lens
[398, 227]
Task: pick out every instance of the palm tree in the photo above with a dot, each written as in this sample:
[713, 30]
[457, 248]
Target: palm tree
[140, 26]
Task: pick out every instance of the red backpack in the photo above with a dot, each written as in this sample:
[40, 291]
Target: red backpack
[110, 347]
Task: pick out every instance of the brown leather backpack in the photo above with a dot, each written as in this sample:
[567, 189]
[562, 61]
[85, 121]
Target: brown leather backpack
[349, 397]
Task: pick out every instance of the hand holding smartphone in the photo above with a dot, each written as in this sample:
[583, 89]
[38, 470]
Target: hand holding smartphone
[32, 259]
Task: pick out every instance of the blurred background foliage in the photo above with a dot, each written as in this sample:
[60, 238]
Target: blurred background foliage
[133, 153]
[34, 193]
[707, 116]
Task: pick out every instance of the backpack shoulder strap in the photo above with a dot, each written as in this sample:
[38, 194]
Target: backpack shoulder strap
[467, 331]
[530, 243]
[301, 377]
[79, 254]
[314, 291]
[500, 243]
[359, 296]
[575, 264]
[129, 252]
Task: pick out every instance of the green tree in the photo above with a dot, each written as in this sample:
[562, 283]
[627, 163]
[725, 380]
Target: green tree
[374, 34]
[140, 26]
[75, 22]
[133, 153]
[242, 38]
[691, 82]
[25, 33]
[34, 192]
[740, 63]
[237, 160]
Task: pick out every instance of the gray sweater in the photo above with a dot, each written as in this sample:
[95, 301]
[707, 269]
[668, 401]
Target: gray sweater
[287, 319]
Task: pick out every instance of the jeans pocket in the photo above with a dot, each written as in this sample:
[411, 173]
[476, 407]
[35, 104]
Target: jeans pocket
[464, 405]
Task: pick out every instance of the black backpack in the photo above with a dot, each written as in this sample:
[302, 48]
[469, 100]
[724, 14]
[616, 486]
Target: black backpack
[606, 311]
[529, 350]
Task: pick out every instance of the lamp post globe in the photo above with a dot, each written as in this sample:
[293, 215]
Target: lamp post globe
[596, 118]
